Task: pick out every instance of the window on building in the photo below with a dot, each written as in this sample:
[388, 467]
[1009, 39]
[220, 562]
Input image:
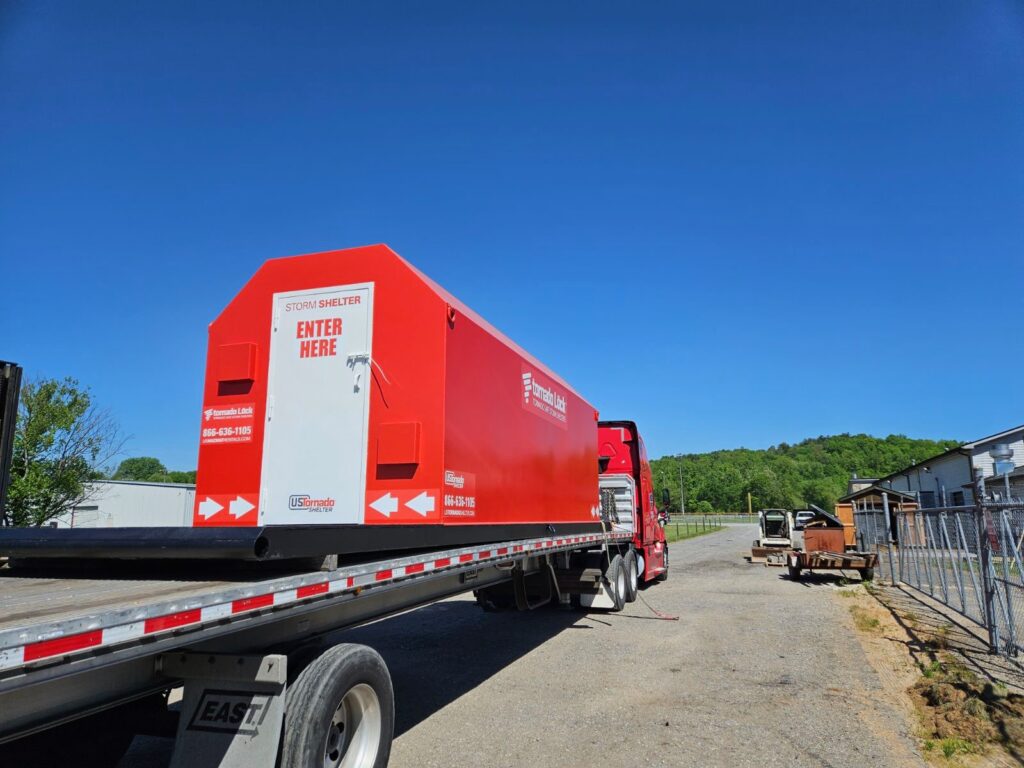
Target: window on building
[958, 498]
[927, 499]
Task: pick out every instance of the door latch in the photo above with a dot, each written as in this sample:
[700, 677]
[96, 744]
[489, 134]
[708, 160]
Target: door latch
[351, 361]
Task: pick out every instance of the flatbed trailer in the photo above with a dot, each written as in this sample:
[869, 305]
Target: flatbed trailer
[354, 412]
[108, 648]
[797, 561]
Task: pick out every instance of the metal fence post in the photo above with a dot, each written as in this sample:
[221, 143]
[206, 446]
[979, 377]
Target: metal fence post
[987, 582]
[1011, 622]
[888, 537]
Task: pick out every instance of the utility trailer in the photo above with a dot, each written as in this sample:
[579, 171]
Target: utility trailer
[822, 549]
[798, 562]
[86, 662]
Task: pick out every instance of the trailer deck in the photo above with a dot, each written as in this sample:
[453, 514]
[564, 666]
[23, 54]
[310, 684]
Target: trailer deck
[797, 561]
[69, 646]
[33, 599]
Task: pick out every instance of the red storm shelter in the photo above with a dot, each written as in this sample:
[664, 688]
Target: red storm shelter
[348, 389]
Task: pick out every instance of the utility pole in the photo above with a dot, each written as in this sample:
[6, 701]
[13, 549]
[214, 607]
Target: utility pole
[750, 505]
[10, 388]
[682, 491]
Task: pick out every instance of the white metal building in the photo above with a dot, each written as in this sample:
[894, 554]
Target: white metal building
[127, 503]
[943, 478]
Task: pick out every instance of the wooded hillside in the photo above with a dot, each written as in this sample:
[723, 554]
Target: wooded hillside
[814, 471]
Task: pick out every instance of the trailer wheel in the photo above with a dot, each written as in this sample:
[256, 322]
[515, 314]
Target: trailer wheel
[496, 599]
[867, 574]
[616, 576]
[340, 712]
[794, 572]
[632, 577]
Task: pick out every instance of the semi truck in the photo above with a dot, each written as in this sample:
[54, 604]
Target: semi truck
[368, 444]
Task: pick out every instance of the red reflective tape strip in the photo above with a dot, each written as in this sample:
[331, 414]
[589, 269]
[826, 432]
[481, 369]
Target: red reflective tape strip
[444, 562]
[172, 620]
[485, 553]
[502, 551]
[312, 589]
[415, 568]
[383, 575]
[465, 558]
[62, 645]
[250, 603]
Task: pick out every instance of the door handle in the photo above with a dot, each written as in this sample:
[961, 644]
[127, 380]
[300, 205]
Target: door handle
[351, 360]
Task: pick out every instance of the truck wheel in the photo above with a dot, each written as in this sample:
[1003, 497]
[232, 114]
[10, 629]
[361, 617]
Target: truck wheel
[794, 572]
[340, 711]
[495, 599]
[663, 576]
[867, 574]
[616, 576]
[632, 578]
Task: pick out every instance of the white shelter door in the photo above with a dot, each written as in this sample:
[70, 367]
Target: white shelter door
[314, 446]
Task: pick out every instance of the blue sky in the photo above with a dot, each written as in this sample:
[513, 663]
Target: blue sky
[738, 223]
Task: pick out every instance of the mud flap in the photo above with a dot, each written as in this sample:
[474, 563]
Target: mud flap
[233, 709]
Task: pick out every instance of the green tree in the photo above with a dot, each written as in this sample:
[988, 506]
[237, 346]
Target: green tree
[814, 471]
[141, 468]
[60, 442]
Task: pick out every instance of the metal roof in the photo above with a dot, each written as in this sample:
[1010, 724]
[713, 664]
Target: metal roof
[993, 438]
[959, 449]
[875, 489]
[142, 482]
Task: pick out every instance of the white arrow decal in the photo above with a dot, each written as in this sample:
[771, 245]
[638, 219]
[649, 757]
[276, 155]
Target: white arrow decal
[239, 507]
[421, 504]
[386, 504]
[208, 508]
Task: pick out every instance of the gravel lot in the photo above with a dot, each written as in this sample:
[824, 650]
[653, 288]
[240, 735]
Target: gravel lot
[758, 671]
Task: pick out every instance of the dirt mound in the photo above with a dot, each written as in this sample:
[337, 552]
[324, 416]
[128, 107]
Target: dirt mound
[963, 713]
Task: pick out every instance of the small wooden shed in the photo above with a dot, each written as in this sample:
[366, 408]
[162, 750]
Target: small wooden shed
[869, 499]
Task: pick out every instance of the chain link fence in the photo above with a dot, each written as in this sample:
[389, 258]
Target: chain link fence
[715, 518]
[969, 558]
[685, 526]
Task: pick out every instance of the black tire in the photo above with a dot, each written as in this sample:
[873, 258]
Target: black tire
[343, 700]
[794, 572]
[616, 578]
[496, 599]
[867, 574]
[663, 576]
[632, 576]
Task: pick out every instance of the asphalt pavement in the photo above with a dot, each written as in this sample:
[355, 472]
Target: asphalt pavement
[757, 671]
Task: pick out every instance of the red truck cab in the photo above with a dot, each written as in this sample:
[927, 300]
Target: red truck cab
[627, 494]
